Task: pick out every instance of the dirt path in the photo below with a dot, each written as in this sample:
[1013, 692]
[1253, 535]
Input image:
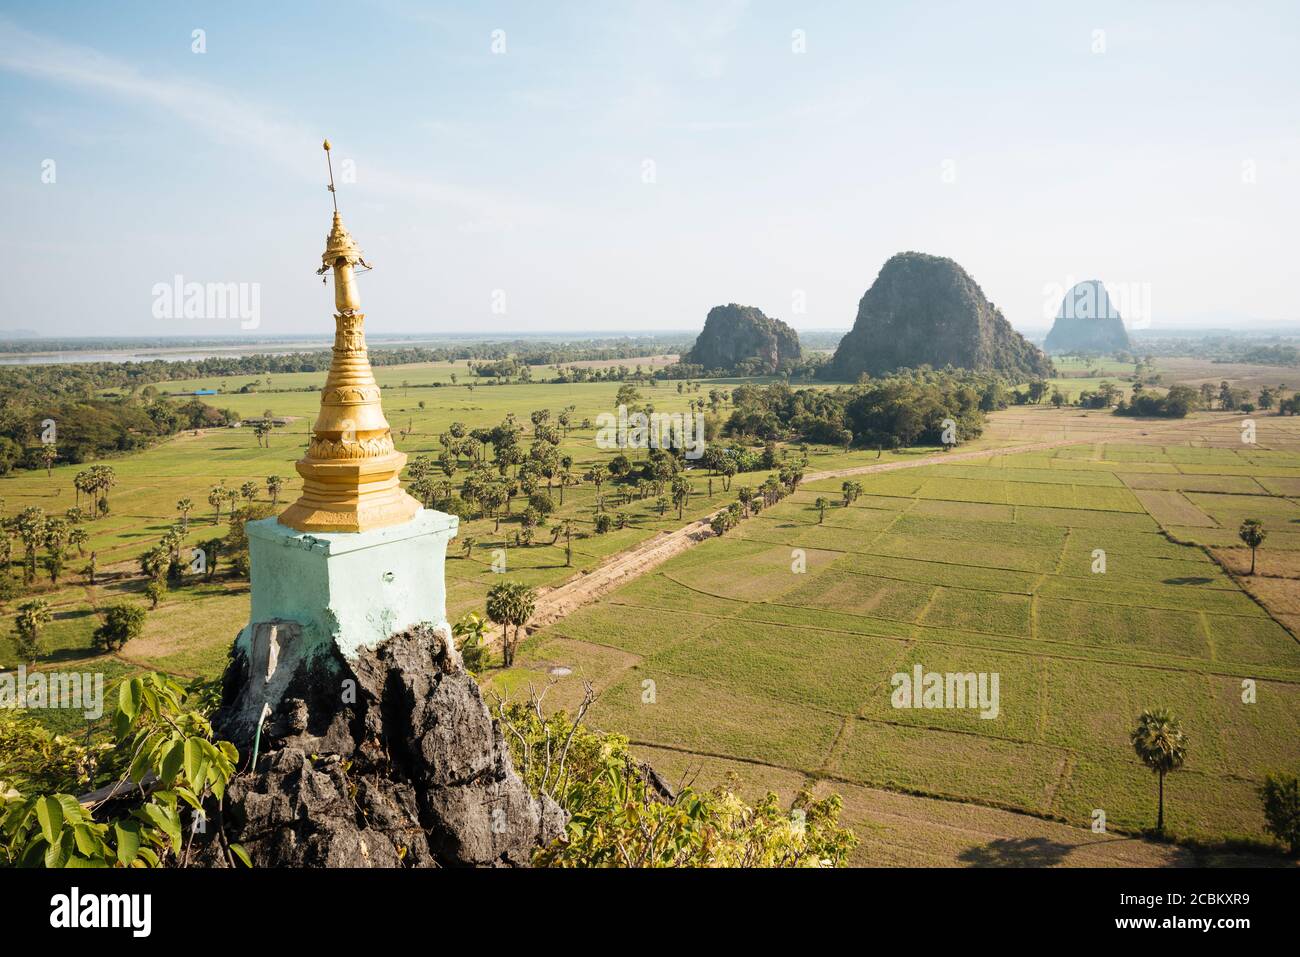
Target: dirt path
[562, 600]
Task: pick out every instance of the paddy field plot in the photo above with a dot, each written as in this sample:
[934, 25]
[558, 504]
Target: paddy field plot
[1060, 571]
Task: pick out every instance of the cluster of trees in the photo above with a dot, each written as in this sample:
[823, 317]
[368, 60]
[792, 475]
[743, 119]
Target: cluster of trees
[750, 501]
[38, 541]
[47, 541]
[900, 410]
[1176, 402]
[809, 366]
[35, 435]
[85, 379]
[1278, 355]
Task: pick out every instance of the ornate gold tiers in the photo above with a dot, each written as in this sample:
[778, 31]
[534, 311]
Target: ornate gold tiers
[351, 472]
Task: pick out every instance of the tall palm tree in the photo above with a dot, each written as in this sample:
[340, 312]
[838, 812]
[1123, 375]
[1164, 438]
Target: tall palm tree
[567, 526]
[510, 604]
[1161, 744]
[597, 475]
[274, 485]
[681, 491]
[6, 549]
[31, 526]
[185, 506]
[31, 618]
[821, 504]
[1252, 532]
[103, 478]
[216, 496]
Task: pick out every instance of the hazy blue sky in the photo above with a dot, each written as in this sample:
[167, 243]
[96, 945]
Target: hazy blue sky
[999, 134]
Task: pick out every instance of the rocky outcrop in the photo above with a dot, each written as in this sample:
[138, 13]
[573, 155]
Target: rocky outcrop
[927, 310]
[1087, 322]
[390, 760]
[741, 339]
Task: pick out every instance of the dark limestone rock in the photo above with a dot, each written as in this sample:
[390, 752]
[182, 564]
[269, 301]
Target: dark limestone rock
[927, 310]
[741, 339]
[392, 760]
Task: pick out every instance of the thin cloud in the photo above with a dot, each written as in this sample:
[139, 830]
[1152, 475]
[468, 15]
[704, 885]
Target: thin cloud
[227, 119]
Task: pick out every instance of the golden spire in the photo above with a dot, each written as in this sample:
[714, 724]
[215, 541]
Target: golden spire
[350, 474]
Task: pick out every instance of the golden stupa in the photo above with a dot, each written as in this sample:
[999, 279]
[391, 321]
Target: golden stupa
[351, 472]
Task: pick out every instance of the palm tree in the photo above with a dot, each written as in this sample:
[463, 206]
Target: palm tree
[274, 485]
[1252, 532]
[567, 526]
[249, 491]
[79, 484]
[185, 506]
[492, 498]
[31, 618]
[851, 491]
[468, 543]
[6, 550]
[510, 604]
[31, 526]
[681, 491]
[56, 545]
[597, 475]
[729, 470]
[1160, 743]
[821, 505]
[216, 496]
[103, 478]
[49, 455]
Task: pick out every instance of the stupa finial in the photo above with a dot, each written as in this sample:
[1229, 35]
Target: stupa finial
[351, 470]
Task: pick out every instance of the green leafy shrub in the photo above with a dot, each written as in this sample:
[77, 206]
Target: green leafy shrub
[163, 744]
[620, 818]
[122, 622]
[1281, 796]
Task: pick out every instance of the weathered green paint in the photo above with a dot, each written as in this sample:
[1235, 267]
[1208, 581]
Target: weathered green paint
[351, 589]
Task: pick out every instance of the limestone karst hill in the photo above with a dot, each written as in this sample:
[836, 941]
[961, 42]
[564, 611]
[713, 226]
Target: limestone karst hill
[927, 310]
[1087, 322]
[743, 340]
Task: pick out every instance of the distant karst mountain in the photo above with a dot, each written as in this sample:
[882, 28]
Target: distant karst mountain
[927, 310]
[742, 339]
[1087, 322]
